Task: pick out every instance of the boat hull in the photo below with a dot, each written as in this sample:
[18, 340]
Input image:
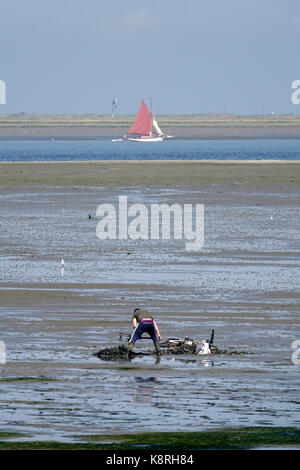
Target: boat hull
[145, 139]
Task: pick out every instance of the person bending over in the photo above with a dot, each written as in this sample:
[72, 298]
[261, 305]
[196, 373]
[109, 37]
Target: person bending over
[142, 321]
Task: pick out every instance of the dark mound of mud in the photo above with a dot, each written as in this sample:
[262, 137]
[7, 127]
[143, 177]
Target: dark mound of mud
[183, 349]
[188, 349]
[118, 352]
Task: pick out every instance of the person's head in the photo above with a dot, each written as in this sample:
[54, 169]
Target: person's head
[136, 310]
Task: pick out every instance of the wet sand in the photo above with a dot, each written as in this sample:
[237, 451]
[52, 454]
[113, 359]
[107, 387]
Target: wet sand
[149, 173]
[244, 283]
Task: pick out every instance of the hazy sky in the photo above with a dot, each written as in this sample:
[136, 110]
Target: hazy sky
[192, 56]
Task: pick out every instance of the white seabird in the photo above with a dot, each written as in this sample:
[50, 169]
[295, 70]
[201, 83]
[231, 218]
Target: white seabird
[205, 348]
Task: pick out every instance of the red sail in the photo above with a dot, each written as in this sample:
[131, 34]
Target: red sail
[142, 123]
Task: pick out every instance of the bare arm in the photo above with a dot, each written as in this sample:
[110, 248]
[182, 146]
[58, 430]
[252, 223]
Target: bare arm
[157, 330]
[134, 322]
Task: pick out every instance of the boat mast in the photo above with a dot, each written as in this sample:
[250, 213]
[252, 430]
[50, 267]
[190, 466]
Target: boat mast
[151, 114]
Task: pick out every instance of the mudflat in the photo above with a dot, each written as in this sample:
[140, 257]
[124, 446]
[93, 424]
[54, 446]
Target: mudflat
[243, 283]
[149, 173]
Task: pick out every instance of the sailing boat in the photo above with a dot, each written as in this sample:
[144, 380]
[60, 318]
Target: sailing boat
[144, 128]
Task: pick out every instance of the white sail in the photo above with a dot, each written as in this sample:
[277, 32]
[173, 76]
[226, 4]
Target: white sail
[156, 127]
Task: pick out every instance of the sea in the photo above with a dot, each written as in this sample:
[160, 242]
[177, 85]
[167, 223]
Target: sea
[173, 149]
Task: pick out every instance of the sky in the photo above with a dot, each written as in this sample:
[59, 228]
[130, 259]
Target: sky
[192, 56]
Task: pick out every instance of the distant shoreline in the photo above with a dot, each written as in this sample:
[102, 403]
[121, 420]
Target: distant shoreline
[91, 132]
[198, 126]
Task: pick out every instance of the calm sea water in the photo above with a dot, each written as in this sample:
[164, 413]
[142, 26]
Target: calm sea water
[46, 150]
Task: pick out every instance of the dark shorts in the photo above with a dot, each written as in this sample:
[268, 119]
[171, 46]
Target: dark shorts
[144, 327]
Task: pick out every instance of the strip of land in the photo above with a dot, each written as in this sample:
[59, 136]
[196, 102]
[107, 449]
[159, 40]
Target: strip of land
[246, 438]
[148, 173]
[202, 126]
[74, 132]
